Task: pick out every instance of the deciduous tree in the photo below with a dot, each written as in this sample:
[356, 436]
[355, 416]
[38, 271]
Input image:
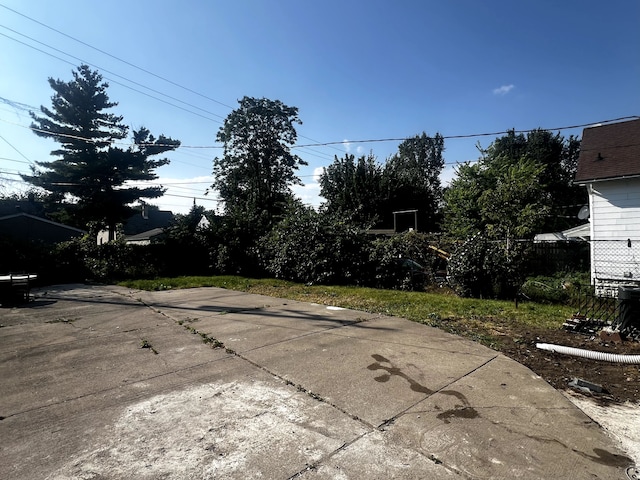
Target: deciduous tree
[257, 168]
[520, 186]
[413, 179]
[353, 188]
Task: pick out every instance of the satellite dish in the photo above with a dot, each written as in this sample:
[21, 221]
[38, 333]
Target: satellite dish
[583, 214]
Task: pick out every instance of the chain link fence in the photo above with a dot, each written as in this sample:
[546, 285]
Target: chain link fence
[614, 263]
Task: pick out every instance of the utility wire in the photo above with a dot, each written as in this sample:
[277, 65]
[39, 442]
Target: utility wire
[12, 146]
[315, 144]
[473, 135]
[110, 72]
[17, 105]
[129, 63]
[378, 140]
[112, 80]
[116, 58]
[124, 85]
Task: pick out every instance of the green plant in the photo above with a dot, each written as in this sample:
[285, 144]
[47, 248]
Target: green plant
[315, 248]
[558, 288]
[485, 266]
[62, 320]
[146, 344]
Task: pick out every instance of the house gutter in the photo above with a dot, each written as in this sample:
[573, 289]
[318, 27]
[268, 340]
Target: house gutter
[584, 183]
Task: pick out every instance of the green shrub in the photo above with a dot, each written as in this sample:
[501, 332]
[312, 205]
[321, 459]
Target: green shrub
[559, 288]
[486, 267]
[316, 248]
[393, 257]
[82, 259]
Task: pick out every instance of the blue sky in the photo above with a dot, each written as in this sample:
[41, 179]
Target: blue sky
[356, 70]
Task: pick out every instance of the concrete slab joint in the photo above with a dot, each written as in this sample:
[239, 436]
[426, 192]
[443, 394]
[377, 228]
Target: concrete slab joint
[246, 386]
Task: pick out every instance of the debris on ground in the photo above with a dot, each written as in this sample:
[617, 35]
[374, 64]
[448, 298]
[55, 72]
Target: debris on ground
[584, 325]
[586, 386]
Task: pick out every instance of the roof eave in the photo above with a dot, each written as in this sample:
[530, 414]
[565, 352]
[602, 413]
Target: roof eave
[598, 180]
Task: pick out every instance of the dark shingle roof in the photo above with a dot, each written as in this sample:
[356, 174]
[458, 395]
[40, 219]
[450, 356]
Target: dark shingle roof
[155, 219]
[609, 151]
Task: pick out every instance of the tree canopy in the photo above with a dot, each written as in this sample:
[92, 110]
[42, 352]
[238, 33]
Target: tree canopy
[413, 179]
[354, 188]
[91, 171]
[366, 191]
[520, 186]
[257, 168]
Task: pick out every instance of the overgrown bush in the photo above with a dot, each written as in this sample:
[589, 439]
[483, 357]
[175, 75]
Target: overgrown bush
[389, 255]
[82, 259]
[316, 248]
[488, 267]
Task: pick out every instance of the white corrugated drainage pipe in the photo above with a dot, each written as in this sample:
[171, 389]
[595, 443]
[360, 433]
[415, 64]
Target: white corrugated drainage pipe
[580, 352]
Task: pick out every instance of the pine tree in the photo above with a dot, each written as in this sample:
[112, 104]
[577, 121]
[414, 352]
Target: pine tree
[90, 174]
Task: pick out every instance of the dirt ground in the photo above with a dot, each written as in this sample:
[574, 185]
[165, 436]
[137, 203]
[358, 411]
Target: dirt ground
[621, 383]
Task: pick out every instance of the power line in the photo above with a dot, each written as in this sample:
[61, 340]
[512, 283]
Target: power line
[378, 140]
[197, 198]
[115, 81]
[126, 63]
[19, 152]
[17, 105]
[472, 135]
[116, 58]
[109, 72]
[315, 144]
[128, 86]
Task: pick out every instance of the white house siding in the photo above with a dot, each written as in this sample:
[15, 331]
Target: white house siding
[615, 233]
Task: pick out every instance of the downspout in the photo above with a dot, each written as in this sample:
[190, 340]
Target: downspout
[592, 259]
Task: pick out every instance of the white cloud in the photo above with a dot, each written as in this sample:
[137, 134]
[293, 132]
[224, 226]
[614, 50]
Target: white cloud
[447, 174]
[347, 145]
[503, 90]
[316, 173]
[359, 150]
[308, 193]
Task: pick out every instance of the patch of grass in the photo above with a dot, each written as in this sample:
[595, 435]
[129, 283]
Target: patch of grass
[486, 321]
[62, 320]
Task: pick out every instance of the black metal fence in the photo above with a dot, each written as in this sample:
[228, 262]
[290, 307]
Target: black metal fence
[593, 307]
[548, 258]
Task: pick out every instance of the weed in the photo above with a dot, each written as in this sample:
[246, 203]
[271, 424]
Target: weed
[206, 339]
[187, 320]
[146, 344]
[62, 320]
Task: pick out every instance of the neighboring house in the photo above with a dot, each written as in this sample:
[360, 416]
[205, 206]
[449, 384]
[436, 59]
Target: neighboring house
[142, 226]
[9, 206]
[23, 226]
[145, 238]
[609, 167]
[579, 233]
